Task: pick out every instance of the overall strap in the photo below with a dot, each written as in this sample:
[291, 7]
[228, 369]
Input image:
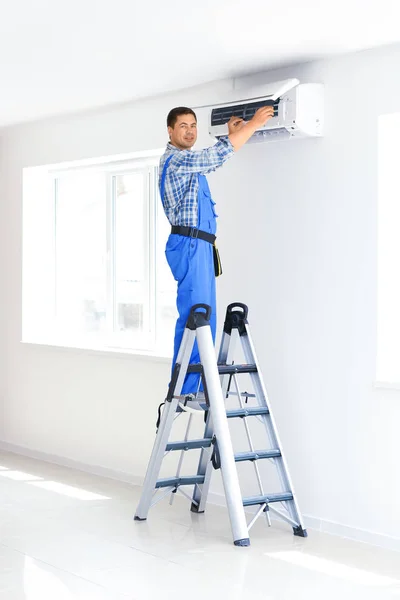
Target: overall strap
[163, 176]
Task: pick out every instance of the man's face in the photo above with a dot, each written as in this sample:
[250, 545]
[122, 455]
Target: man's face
[184, 134]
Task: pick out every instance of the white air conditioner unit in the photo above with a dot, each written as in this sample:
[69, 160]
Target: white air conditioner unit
[298, 110]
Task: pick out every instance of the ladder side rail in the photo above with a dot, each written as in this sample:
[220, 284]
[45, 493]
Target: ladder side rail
[200, 492]
[165, 427]
[220, 422]
[281, 463]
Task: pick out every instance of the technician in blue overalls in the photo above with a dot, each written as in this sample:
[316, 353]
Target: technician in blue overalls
[190, 210]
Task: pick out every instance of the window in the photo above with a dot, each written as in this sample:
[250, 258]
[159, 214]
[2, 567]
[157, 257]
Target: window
[94, 268]
[388, 355]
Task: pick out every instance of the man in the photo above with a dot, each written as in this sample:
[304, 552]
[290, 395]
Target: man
[190, 210]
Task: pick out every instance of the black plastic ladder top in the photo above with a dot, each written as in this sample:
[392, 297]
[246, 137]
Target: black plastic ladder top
[198, 319]
[236, 319]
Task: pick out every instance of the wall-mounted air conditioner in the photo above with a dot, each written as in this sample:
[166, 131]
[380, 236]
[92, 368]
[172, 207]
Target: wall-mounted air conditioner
[298, 110]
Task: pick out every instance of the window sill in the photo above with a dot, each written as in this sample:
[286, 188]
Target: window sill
[386, 385]
[100, 351]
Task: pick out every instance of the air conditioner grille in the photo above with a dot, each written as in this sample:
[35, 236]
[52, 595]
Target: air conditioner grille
[222, 114]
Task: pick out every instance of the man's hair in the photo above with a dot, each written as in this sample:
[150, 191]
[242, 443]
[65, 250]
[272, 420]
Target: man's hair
[177, 112]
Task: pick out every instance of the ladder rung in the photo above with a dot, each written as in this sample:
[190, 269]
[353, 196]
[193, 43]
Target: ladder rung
[244, 394]
[202, 405]
[189, 444]
[177, 481]
[242, 456]
[195, 368]
[233, 369]
[282, 497]
[250, 411]
[225, 369]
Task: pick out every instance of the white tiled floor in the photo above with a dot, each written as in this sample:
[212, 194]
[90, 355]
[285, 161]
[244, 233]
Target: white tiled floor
[56, 546]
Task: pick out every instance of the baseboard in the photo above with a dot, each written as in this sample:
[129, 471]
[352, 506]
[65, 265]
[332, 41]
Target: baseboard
[353, 533]
[72, 464]
[331, 527]
[312, 523]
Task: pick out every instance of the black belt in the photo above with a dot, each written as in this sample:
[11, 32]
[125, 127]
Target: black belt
[194, 233]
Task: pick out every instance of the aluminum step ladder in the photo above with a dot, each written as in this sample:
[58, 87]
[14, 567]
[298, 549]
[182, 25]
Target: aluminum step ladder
[218, 377]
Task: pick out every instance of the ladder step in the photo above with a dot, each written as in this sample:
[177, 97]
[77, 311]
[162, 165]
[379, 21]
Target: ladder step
[177, 481]
[250, 411]
[242, 456]
[195, 368]
[225, 369]
[233, 369]
[268, 499]
[189, 444]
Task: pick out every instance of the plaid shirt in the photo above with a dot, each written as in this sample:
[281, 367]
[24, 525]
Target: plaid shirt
[182, 183]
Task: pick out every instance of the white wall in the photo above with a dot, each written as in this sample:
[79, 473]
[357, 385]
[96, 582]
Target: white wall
[2, 298]
[297, 233]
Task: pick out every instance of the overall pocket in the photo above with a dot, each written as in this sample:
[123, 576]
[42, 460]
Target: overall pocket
[177, 255]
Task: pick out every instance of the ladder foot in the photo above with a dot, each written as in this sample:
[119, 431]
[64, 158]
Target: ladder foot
[136, 518]
[243, 542]
[195, 508]
[300, 531]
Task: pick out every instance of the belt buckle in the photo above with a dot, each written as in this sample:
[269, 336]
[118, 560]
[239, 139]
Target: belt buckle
[194, 233]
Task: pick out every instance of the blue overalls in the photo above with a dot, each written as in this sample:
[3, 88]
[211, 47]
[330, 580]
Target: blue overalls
[192, 265]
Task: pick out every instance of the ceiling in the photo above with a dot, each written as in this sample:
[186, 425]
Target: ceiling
[60, 56]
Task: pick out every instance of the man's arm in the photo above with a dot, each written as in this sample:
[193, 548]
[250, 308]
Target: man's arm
[240, 132]
[201, 161]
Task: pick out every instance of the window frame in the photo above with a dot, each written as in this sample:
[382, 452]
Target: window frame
[147, 344]
[386, 377]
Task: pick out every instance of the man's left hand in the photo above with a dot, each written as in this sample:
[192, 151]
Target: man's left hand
[235, 124]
